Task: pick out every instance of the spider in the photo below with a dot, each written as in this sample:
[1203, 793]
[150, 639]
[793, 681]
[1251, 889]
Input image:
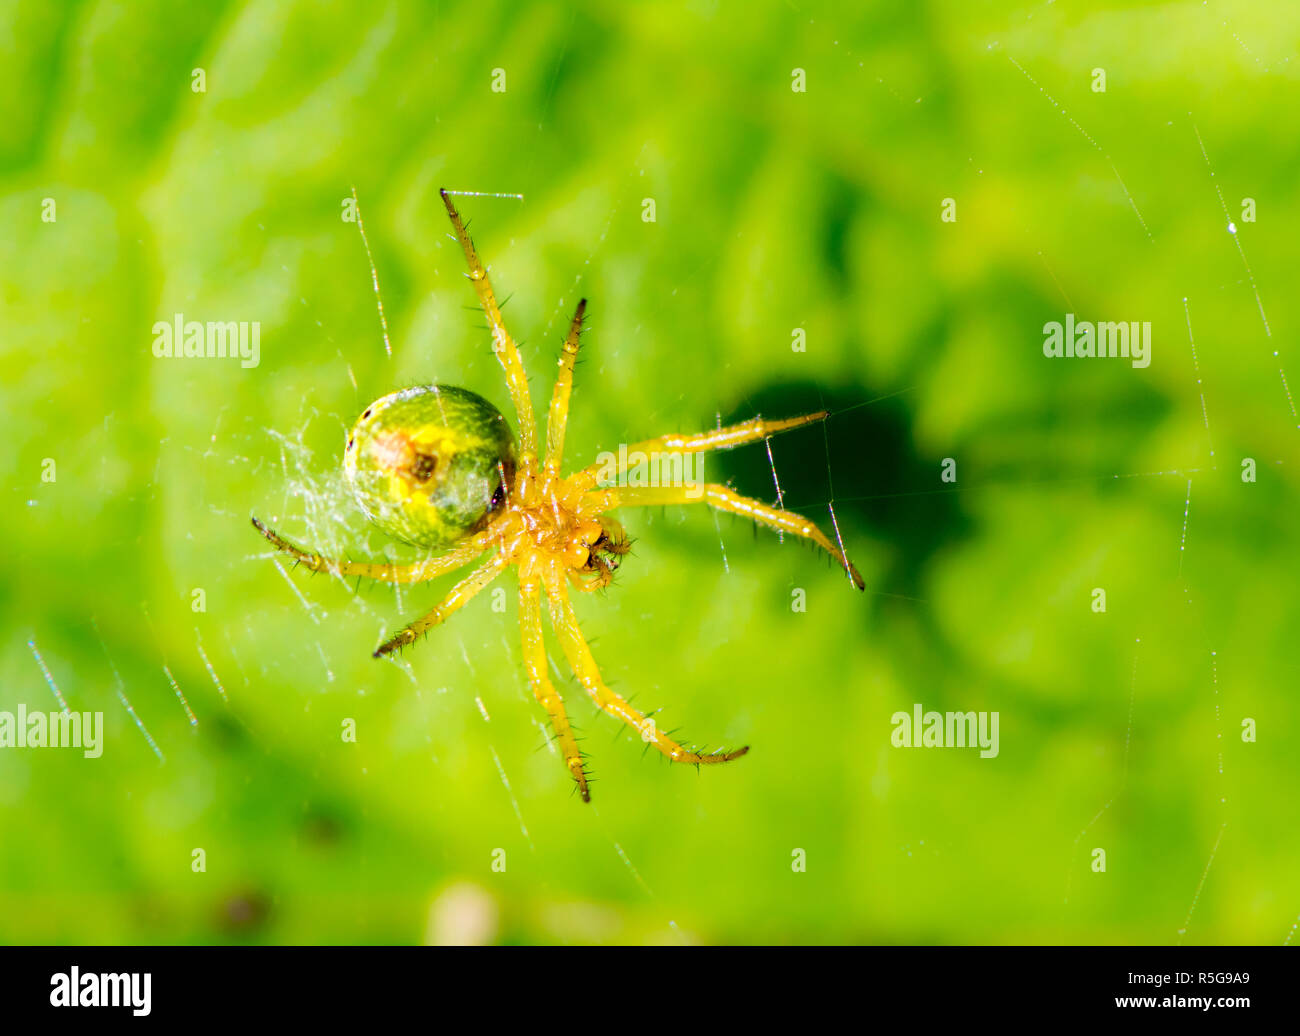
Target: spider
[437, 467]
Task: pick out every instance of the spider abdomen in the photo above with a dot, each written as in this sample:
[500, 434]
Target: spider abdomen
[428, 464]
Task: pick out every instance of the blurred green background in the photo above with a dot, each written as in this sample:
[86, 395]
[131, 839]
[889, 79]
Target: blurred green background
[775, 210]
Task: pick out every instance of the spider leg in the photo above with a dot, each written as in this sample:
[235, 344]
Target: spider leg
[530, 626]
[418, 572]
[565, 624]
[698, 442]
[558, 417]
[502, 344]
[458, 596]
[725, 499]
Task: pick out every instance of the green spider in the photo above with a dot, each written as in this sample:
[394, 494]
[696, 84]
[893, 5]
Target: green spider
[437, 467]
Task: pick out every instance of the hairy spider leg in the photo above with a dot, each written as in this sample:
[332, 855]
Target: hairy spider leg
[417, 572]
[530, 627]
[565, 624]
[457, 597]
[696, 442]
[558, 416]
[725, 499]
[502, 344]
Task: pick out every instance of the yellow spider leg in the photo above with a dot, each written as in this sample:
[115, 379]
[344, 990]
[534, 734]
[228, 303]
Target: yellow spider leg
[417, 572]
[530, 626]
[458, 596]
[697, 442]
[725, 499]
[502, 344]
[565, 624]
[558, 417]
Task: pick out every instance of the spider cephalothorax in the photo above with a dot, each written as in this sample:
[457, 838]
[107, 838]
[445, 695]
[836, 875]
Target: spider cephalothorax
[437, 467]
[550, 532]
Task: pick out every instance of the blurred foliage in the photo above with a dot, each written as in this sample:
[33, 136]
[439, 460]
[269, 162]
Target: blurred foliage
[775, 210]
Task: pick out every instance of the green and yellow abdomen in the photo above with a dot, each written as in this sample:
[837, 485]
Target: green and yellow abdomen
[429, 464]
